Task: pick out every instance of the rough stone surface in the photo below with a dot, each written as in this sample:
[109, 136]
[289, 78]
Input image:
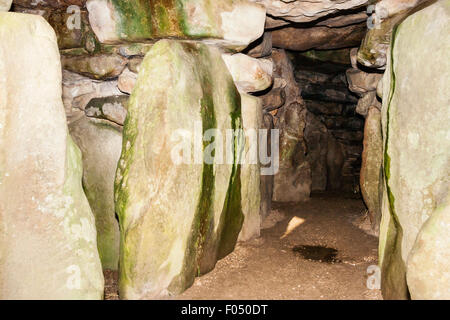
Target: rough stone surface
[99, 67]
[428, 275]
[178, 214]
[71, 24]
[371, 173]
[266, 185]
[5, 5]
[361, 82]
[293, 181]
[262, 47]
[316, 136]
[112, 108]
[78, 90]
[372, 52]
[417, 145]
[48, 247]
[321, 37]
[234, 23]
[249, 74]
[49, 3]
[367, 101]
[127, 81]
[307, 11]
[100, 144]
[250, 170]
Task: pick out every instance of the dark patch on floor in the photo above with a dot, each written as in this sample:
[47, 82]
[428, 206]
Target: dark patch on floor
[317, 253]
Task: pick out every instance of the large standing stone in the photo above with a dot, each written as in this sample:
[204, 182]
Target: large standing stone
[5, 5]
[250, 169]
[178, 214]
[101, 144]
[428, 274]
[372, 160]
[417, 149]
[48, 247]
[293, 181]
[266, 185]
[232, 22]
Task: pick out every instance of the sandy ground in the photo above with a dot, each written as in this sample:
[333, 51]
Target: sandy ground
[269, 268]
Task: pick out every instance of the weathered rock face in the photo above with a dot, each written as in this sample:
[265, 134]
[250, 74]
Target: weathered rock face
[48, 247]
[79, 91]
[371, 173]
[333, 131]
[49, 3]
[249, 74]
[237, 23]
[127, 81]
[250, 170]
[266, 185]
[316, 135]
[430, 252]
[71, 24]
[387, 14]
[307, 11]
[262, 47]
[112, 108]
[103, 66]
[5, 5]
[178, 214]
[361, 82]
[416, 155]
[293, 181]
[367, 101]
[321, 37]
[100, 143]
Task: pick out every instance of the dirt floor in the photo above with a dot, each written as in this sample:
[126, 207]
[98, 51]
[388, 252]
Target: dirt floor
[272, 266]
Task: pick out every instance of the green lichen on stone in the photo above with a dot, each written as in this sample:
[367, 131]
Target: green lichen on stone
[78, 216]
[233, 215]
[144, 20]
[169, 213]
[135, 19]
[100, 144]
[341, 56]
[393, 268]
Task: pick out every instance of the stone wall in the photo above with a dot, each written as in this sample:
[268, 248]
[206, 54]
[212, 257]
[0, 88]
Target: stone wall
[334, 130]
[104, 100]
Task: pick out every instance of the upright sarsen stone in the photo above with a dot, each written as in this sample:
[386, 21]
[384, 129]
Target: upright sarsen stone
[5, 5]
[48, 247]
[371, 172]
[178, 214]
[250, 169]
[416, 157]
[100, 142]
